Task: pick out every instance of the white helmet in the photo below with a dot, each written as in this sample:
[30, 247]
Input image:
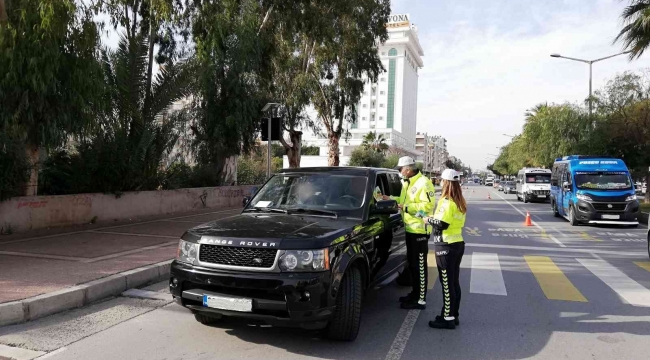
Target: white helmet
[405, 161]
[450, 175]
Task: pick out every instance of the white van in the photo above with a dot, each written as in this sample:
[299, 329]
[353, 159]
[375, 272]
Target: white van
[533, 184]
[489, 181]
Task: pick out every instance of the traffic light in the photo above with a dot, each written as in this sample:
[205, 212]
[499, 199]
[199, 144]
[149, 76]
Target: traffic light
[275, 129]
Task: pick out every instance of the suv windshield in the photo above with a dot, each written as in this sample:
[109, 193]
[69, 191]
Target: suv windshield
[603, 180]
[510, 183]
[324, 192]
[538, 178]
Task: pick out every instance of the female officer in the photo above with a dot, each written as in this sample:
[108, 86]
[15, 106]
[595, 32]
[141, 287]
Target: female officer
[447, 222]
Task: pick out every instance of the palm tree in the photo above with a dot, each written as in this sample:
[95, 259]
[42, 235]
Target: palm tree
[137, 131]
[635, 35]
[376, 142]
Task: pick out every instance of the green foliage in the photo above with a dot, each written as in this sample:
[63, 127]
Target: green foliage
[51, 81]
[635, 34]
[14, 166]
[348, 54]
[233, 61]
[363, 156]
[310, 150]
[375, 142]
[390, 162]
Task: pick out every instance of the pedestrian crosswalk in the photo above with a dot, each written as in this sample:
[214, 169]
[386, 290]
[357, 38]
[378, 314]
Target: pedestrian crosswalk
[487, 277]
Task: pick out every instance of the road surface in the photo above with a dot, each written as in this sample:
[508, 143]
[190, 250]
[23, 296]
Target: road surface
[547, 291]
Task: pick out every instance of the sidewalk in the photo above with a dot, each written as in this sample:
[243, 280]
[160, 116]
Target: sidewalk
[47, 261]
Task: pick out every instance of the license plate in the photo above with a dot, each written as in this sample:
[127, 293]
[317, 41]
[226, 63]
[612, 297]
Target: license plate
[612, 217]
[541, 196]
[228, 303]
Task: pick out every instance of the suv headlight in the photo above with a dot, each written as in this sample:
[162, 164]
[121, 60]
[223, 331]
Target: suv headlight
[631, 198]
[584, 197]
[187, 251]
[305, 260]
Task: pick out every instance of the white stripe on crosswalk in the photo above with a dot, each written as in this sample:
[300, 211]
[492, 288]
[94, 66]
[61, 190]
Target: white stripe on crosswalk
[486, 276]
[628, 289]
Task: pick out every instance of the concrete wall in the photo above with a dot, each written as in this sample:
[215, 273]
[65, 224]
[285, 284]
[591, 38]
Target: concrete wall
[35, 212]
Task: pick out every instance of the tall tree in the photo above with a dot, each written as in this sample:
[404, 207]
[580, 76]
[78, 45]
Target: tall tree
[232, 52]
[635, 34]
[624, 106]
[51, 80]
[342, 61]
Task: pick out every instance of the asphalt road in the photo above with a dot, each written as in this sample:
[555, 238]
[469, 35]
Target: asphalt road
[547, 291]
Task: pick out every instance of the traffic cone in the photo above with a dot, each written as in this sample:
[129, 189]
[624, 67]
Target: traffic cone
[528, 222]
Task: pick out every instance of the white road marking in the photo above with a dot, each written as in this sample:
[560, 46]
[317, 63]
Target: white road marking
[486, 275]
[15, 353]
[569, 250]
[534, 223]
[628, 289]
[403, 335]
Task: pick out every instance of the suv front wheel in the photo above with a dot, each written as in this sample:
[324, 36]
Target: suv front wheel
[347, 316]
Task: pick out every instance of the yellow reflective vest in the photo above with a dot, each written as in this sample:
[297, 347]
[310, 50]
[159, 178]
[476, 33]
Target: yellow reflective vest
[418, 194]
[447, 211]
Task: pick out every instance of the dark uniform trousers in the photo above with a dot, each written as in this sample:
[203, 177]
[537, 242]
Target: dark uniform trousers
[417, 248]
[448, 258]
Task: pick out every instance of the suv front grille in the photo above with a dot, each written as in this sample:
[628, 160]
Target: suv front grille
[541, 192]
[237, 256]
[606, 207]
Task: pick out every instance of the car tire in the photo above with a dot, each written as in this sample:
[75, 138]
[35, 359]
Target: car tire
[525, 199]
[649, 246]
[572, 217]
[345, 323]
[554, 208]
[207, 320]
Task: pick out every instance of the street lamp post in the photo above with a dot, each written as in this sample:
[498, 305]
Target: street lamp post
[512, 136]
[268, 110]
[590, 62]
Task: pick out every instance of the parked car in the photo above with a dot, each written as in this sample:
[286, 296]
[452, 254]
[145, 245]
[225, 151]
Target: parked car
[509, 187]
[301, 252]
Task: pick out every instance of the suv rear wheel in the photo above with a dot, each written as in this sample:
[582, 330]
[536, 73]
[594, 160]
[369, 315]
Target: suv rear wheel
[347, 317]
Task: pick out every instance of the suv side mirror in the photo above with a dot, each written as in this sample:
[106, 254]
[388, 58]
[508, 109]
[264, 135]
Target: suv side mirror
[385, 207]
[566, 186]
[245, 201]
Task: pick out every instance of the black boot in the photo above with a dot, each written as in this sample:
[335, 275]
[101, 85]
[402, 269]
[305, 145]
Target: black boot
[441, 323]
[456, 320]
[413, 304]
[407, 298]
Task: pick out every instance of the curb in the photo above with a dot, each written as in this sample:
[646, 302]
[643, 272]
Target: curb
[40, 306]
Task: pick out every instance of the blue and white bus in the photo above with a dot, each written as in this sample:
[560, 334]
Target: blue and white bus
[593, 190]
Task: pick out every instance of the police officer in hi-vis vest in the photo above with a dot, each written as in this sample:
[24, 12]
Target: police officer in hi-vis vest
[447, 222]
[416, 202]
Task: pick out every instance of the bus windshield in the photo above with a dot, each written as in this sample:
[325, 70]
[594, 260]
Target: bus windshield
[603, 181]
[538, 178]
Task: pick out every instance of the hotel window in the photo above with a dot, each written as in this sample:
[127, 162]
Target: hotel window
[383, 79]
[365, 106]
[382, 92]
[381, 105]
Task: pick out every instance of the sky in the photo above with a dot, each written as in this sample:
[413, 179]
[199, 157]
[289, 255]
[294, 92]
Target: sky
[487, 62]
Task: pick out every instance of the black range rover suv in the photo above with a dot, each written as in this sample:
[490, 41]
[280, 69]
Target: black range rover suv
[301, 253]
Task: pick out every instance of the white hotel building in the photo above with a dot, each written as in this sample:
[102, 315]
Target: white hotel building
[388, 106]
